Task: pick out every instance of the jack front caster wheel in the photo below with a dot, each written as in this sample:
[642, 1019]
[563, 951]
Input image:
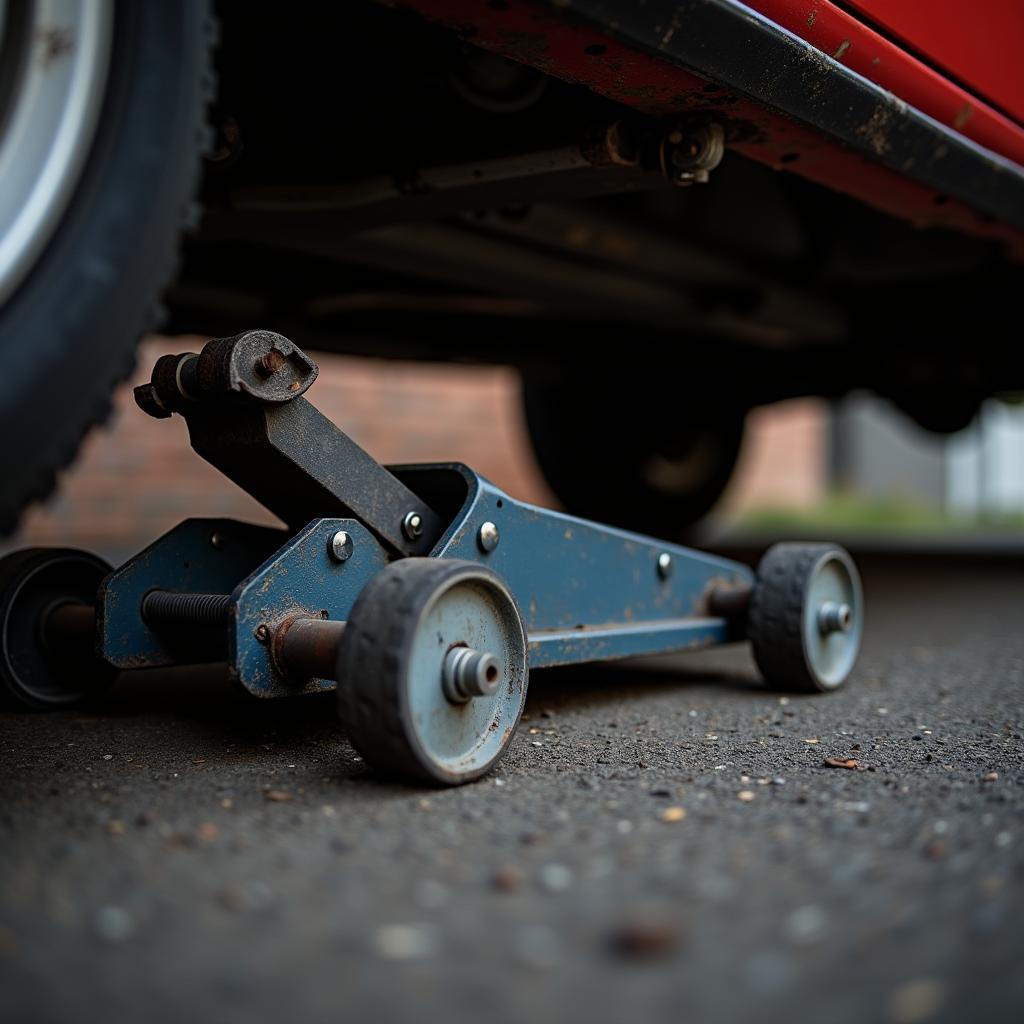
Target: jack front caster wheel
[48, 628]
[432, 670]
[806, 617]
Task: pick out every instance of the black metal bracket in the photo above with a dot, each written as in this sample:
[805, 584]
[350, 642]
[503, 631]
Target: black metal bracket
[241, 398]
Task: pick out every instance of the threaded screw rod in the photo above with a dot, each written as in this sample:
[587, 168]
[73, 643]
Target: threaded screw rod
[166, 608]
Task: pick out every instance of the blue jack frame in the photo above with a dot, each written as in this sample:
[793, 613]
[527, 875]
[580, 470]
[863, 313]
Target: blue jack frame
[586, 592]
[424, 594]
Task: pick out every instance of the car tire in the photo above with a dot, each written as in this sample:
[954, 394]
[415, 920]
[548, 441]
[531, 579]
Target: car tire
[611, 452]
[71, 318]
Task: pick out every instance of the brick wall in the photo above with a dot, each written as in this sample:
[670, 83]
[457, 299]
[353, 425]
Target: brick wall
[138, 476]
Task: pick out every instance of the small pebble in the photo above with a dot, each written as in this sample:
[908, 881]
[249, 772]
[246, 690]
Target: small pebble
[645, 938]
[673, 814]
[746, 795]
[114, 924]
[990, 777]
[247, 896]
[507, 878]
[556, 877]
[805, 925]
[405, 941]
[916, 1001]
[277, 796]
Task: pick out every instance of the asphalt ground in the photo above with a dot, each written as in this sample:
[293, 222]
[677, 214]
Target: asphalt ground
[662, 841]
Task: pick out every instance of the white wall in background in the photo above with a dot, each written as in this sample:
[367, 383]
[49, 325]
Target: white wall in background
[985, 463]
[884, 456]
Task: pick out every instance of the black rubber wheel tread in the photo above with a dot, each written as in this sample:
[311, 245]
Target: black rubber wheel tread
[775, 616]
[592, 439]
[69, 332]
[372, 654]
[14, 569]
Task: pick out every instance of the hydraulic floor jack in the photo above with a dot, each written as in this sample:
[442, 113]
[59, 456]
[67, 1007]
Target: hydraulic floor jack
[424, 593]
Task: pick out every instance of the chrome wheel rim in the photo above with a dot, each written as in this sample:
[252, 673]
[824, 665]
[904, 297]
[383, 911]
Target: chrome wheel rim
[54, 59]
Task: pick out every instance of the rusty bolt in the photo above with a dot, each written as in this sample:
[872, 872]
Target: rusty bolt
[262, 632]
[269, 363]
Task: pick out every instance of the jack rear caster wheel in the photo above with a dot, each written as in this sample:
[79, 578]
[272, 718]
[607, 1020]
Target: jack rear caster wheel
[48, 627]
[432, 670]
[806, 617]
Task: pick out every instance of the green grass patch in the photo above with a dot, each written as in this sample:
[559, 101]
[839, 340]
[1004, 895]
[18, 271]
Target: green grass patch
[863, 515]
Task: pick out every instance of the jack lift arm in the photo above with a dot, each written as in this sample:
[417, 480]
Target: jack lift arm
[423, 593]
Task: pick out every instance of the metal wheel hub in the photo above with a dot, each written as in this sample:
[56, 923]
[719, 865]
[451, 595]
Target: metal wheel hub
[54, 58]
[466, 675]
[833, 618]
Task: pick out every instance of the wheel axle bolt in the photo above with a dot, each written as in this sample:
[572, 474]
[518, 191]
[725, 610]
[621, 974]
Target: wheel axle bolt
[412, 525]
[340, 546]
[834, 617]
[467, 673]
